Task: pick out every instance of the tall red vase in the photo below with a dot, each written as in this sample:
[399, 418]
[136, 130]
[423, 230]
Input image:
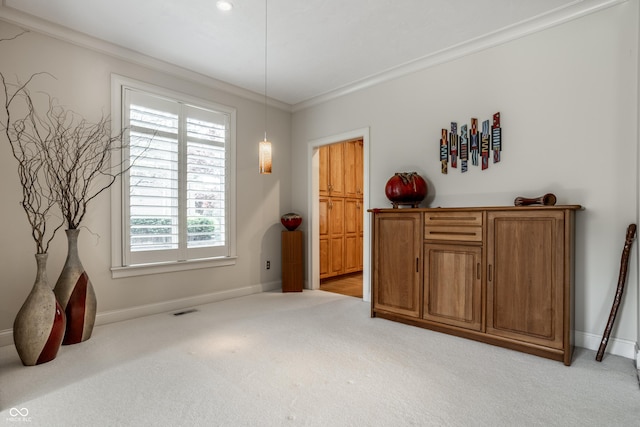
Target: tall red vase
[76, 295]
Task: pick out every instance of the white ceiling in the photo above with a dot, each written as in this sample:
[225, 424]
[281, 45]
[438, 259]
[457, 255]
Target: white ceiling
[314, 46]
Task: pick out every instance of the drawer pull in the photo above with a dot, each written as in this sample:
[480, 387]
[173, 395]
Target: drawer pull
[452, 218]
[459, 233]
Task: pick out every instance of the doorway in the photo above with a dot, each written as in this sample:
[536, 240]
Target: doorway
[341, 216]
[349, 276]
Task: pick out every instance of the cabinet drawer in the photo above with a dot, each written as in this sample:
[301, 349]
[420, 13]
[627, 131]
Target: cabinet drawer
[453, 218]
[453, 226]
[457, 233]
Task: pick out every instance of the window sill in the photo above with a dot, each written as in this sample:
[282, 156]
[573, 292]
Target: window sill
[169, 267]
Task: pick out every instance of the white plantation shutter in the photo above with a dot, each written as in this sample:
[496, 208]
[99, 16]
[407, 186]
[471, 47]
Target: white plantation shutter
[176, 201]
[205, 179]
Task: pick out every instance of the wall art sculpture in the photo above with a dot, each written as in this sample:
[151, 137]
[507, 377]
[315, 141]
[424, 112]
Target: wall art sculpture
[444, 151]
[496, 136]
[471, 144]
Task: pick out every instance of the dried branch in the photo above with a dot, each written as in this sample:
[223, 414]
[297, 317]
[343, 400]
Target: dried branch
[37, 200]
[78, 159]
[62, 158]
[15, 37]
[76, 154]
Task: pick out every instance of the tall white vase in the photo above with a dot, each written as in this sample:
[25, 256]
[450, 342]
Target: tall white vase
[39, 327]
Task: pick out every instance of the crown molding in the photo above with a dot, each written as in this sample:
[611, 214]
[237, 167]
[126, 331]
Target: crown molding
[59, 32]
[574, 10]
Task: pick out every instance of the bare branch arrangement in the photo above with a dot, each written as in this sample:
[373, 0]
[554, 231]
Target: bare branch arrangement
[37, 200]
[71, 154]
[77, 155]
[63, 159]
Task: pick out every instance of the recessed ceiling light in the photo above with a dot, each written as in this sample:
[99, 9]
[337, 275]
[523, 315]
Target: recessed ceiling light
[223, 5]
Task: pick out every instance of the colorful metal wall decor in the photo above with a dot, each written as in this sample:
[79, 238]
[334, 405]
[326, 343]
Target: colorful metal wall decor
[444, 151]
[470, 143]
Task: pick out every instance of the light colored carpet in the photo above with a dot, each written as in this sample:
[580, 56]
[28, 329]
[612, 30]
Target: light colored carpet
[307, 359]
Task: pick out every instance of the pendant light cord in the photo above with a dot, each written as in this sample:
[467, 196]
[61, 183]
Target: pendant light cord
[266, 8]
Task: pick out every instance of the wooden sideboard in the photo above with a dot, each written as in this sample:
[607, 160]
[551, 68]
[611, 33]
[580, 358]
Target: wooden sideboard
[500, 275]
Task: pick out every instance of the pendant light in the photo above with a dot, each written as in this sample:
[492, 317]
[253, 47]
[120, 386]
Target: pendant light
[264, 147]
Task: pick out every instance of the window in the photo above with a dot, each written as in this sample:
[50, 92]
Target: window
[176, 199]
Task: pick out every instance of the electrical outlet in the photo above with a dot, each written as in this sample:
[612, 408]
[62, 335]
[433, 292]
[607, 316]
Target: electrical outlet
[268, 265]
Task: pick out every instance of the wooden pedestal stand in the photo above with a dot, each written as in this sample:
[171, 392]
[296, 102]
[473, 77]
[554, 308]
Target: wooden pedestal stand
[292, 261]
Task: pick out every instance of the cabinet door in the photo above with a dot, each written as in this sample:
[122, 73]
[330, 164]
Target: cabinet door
[525, 277]
[324, 257]
[351, 253]
[350, 169]
[359, 168]
[323, 153]
[336, 236]
[336, 169]
[323, 209]
[353, 234]
[332, 225]
[351, 214]
[453, 285]
[336, 217]
[360, 252]
[396, 272]
[336, 257]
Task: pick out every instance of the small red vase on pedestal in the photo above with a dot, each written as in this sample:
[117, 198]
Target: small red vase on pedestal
[291, 221]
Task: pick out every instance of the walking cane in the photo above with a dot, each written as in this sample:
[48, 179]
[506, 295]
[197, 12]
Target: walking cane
[624, 262]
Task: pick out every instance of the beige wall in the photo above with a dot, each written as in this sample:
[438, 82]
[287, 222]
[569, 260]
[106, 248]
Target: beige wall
[568, 99]
[82, 83]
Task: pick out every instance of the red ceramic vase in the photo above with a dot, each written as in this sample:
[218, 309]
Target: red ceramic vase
[291, 221]
[406, 188]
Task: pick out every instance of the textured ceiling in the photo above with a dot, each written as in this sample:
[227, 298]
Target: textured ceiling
[314, 46]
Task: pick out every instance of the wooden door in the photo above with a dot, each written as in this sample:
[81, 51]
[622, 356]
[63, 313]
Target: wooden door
[396, 260]
[453, 285]
[526, 262]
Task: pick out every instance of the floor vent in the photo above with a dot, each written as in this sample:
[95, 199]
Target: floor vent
[180, 313]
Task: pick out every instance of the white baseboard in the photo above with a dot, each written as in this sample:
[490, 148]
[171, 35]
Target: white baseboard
[179, 304]
[103, 318]
[616, 346]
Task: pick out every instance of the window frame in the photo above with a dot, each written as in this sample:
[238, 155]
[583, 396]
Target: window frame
[119, 265]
